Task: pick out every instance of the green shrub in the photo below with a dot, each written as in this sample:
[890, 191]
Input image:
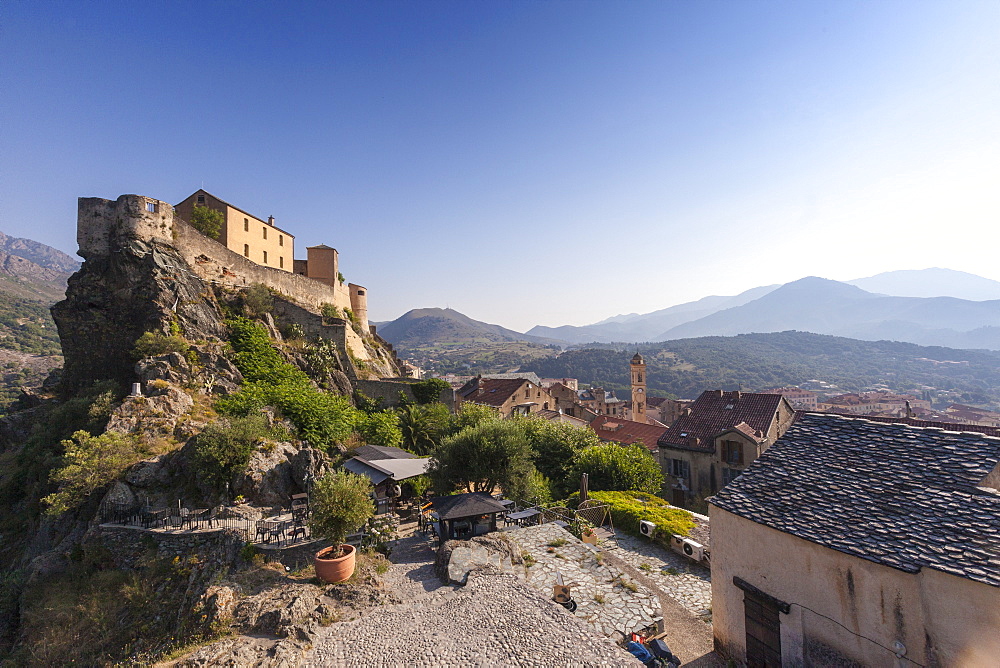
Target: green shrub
[207, 221]
[223, 449]
[319, 417]
[90, 463]
[341, 504]
[628, 508]
[330, 311]
[614, 467]
[258, 300]
[428, 391]
[379, 428]
[154, 344]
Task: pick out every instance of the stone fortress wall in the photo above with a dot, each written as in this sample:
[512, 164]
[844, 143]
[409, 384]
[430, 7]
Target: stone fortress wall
[104, 226]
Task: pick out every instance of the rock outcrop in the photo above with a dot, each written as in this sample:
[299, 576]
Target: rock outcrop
[113, 300]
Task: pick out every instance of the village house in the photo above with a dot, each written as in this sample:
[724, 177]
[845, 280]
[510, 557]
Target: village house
[509, 396]
[870, 403]
[602, 402]
[972, 415]
[855, 542]
[801, 400]
[718, 436]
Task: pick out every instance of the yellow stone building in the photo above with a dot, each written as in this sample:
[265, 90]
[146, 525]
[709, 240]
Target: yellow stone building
[244, 233]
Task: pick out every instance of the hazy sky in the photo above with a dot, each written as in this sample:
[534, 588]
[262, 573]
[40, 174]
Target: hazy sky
[526, 162]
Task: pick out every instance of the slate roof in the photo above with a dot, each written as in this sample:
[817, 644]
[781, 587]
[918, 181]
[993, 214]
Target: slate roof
[894, 494]
[465, 505]
[523, 375]
[915, 422]
[373, 453]
[714, 412]
[383, 469]
[495, 390]
[610, 428]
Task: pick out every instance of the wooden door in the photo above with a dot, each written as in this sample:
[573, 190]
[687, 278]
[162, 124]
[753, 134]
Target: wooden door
[763, 632]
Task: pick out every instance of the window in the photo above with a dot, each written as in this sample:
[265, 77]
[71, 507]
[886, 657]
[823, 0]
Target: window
[246, 225]
[732, 452]
[729, 475]
[281, 262]
[151, 207]
[361, 292]
[640, 378]
[246, 250]
[265, 257]
[680, 469]
[281, 239]
[265, 232]
[201, 199]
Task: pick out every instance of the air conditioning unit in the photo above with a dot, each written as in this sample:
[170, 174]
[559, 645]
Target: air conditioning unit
[689, 548]
[646, 528]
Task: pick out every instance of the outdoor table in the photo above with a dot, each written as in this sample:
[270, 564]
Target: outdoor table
[506, 503]
[520, 516]
[157, 517]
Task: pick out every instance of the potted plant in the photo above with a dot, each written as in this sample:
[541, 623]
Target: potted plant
[341, 504]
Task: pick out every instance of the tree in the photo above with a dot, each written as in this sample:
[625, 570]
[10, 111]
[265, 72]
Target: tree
[423, 426]
[429, 391]
[341, 504]
[90, 462]
[555, 446]
[494, 453]
[614, 467]
[379, 428]
[207, 221]
[224, 448]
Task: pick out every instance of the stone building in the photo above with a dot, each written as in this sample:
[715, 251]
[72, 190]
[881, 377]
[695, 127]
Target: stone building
[602, 402]
[244, 233]
[852, 542]
[719, 435]
[637, 409]
[265, 244]
[508, 396]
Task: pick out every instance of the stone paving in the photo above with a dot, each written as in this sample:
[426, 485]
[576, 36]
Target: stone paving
[495, 620]
[691, 586]
[610, 600]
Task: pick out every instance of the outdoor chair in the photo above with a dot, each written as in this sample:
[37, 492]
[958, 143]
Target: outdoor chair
[298, 528]
[261, 535]
[275, 530]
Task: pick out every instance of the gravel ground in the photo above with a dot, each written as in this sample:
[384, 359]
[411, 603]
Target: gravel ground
[495, 620]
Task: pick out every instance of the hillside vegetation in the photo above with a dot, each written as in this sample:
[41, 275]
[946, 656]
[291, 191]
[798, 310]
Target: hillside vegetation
[686, 367]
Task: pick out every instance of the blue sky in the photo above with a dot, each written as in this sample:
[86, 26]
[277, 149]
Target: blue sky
[526, 162]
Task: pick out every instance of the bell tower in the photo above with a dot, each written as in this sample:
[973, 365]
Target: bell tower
[638, 368]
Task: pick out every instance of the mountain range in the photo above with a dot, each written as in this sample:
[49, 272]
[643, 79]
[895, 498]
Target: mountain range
[928, 307]
[31, 270]
[424, 327]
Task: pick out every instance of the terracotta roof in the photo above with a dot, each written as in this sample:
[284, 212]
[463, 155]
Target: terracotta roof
[716, 411]
[905, 497]
[495, 391]
[610, 428]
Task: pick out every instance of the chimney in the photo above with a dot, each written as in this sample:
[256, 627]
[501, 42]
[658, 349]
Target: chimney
[719, 393]
[270, 221]
[739, 394]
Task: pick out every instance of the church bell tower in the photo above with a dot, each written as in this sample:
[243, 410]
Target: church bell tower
[638, 368]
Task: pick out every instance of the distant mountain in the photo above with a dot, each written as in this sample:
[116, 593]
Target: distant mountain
[649, 326]
[829, 307]
[935, 282]
[39, 253]
[435, 327]
[32, 270]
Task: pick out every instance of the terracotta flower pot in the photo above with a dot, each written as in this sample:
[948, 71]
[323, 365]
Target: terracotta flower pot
[335, 564]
